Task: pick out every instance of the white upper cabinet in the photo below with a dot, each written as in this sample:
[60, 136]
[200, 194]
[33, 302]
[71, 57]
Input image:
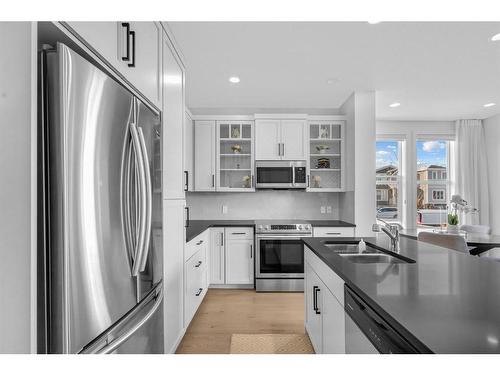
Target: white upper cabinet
[132, 48]
[173, 124]
[204, 155]
[235, 156]
[326, 156]
[267, 139]
[280, 139]
[293, 136]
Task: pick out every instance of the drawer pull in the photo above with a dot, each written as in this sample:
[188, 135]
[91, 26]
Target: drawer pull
[199, 264]
[199, 243]
[238, 233]
[335, 233]
[199, 292]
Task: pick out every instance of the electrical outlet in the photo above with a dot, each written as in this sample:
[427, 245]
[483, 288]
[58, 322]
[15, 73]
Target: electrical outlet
[328, 209]
[322, 209]
[224, 209]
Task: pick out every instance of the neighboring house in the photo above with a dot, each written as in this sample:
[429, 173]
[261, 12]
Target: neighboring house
[387, 190]
[432, 194]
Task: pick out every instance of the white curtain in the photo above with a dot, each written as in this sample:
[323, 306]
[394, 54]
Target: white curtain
[471, 174]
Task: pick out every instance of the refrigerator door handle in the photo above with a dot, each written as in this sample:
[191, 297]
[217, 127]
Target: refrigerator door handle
[112, 342]
[149, 201]
[126, 200]
[142, 199]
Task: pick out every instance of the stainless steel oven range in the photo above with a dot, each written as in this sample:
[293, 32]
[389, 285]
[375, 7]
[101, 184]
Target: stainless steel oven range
[280, 256]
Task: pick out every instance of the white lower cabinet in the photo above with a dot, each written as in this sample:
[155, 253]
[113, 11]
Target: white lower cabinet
[324, 309]
[217, 257]
[232, 256]
[173, 269]
[195, 275]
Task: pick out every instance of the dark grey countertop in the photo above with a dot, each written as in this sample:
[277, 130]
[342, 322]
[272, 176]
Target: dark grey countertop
[198, 226]
[447, 301]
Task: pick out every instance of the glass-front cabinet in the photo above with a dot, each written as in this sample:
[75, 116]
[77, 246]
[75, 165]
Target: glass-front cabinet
[235, 156]
[326, 156]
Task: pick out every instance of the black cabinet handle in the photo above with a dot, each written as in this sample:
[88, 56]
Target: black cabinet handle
[308, 181]
[187, 217]
[199, 264]
[213, 180]
[199, 243]
[222, 239]
[126, 25]
[238, 233]
[199, 292]
[186, 183]
[251, 251]
[314, 298]
[132, 64]
[316, 294]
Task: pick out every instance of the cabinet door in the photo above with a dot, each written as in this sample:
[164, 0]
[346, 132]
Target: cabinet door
[173, 270]
[188, 152]
[103, 37]
[146, 75]
[204, 156]
[216, 259]
[239, 261]
[333, 323]
[267, 140]
[313, 308]
[293, 138]
[173, 124]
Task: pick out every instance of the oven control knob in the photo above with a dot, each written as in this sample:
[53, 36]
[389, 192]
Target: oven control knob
[266, 227]
[259, 227]
[300, 227]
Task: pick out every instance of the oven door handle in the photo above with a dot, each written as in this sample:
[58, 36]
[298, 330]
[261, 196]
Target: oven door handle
[282, 236]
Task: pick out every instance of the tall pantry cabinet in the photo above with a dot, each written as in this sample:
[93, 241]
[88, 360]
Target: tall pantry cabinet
[174, 200]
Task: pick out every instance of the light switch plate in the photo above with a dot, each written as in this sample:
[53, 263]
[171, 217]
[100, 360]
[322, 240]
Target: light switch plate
[322, 210]
[328, 209]
[224, 209]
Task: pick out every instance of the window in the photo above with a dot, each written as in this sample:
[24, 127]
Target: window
[433, 163]
[438, 195]
[388, 180]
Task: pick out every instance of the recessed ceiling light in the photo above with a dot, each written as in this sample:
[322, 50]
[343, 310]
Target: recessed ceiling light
[394, 105]
[489, 105]
[332, 80]
[234, 79]
[496, 37]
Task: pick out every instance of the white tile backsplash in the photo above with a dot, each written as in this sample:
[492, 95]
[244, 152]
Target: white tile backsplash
[263, 204]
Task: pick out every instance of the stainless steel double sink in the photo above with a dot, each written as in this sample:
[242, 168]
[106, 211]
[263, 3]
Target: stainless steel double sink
[353, 254]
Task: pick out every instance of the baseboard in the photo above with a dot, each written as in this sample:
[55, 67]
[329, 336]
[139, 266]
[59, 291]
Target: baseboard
[231, 286]
[177, 342]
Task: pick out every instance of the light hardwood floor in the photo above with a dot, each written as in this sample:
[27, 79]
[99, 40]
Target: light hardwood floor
[227, 311]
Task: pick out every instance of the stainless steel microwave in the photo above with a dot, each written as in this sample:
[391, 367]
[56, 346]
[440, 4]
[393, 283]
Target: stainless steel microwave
[280, 174]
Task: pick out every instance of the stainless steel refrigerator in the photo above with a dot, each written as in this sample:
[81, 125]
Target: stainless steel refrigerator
[101, 223]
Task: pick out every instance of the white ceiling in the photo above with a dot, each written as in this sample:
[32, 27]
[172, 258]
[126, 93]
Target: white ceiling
[436, 70]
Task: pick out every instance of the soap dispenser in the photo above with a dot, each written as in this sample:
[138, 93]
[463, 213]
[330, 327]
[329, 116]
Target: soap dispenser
[362, 245]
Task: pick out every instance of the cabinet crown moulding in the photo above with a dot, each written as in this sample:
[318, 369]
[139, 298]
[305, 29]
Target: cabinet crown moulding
[272, 116]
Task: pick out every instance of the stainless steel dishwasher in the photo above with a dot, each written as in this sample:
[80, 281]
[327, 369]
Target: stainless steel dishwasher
[367, 332]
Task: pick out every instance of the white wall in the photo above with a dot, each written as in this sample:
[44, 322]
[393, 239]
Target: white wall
[492, 135]
[17, 313]
[360, 162]
[263, 204]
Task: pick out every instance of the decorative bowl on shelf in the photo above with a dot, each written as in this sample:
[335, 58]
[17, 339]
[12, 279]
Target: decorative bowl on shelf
[322, 149]
[235, 133]
[323, 163]
[236, 149]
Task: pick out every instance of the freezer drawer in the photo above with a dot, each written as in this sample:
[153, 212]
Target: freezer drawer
[140, 331]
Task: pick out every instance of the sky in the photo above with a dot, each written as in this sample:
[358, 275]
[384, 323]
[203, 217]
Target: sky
[428, 152]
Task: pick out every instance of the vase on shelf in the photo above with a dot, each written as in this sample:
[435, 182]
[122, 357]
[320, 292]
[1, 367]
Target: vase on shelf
[452, 228]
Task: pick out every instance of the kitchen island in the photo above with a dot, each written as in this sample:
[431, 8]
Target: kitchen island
[444, 302]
